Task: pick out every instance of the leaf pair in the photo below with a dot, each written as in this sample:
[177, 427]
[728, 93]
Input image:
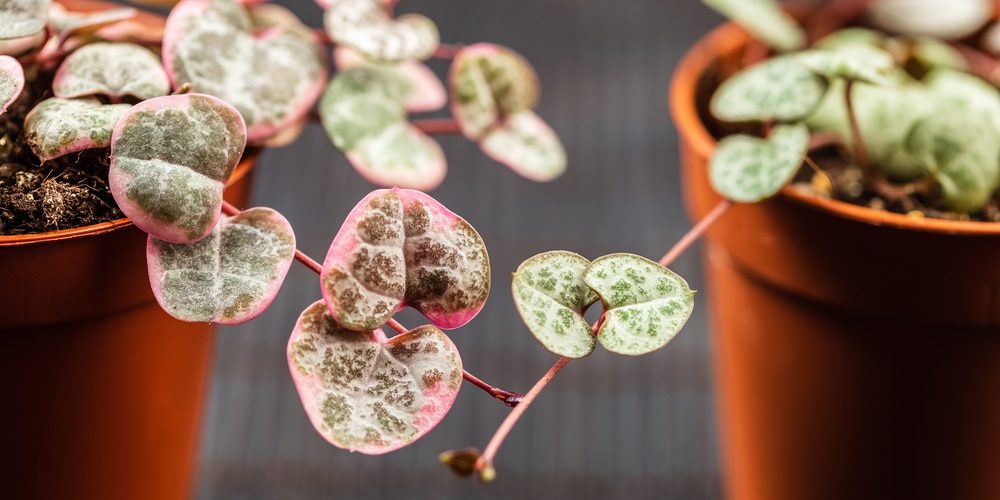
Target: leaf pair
[645, 303]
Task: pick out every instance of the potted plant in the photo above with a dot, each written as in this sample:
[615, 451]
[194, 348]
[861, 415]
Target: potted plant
[124, 83]
[856, 344]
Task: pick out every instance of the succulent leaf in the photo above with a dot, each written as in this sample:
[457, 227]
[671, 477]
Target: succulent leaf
[551, 297]
[645, 303]
[112, 69]
[423, 89]
[22, 17]
[765, 20]
[488, 83]
[399, 248]
[366, 393]
[526, 144]
[777, 89]
[214, 46]
[855, 62]
[11, 81]
[171, 157]
[366, 27]
[56, 126]
[749, 169]
[228, 277]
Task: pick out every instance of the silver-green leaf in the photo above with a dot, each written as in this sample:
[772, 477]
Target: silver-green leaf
[853, 62]
[22, 17]
[749, 169]
[57, 126]
[781, 89]
[765, 20]
[551, 297]
[645, 303]
[112, 69]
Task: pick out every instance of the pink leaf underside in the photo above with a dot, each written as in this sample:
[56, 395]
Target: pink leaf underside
[272, 73]
[366, 393]
[20, 46]
[526, 144]
[172, 187]
[400, 156]
[11, 81]
[229, 277]
[427, 92]
[400, 247]
[132, 31]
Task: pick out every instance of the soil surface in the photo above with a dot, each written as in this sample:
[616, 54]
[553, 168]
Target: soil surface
[63, 193]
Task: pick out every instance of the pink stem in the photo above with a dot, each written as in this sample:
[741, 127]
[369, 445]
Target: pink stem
[695, 233]
[438, 126]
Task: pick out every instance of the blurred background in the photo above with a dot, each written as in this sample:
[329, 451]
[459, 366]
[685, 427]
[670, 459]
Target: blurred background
[607, 426]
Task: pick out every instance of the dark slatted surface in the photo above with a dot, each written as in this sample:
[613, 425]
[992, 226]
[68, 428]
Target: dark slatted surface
[608, 426]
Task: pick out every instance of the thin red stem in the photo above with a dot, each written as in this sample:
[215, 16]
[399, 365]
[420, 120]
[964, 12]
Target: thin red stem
[696, 232]
[438, 126]
[860, 152]
[485, 462]
[447, 51]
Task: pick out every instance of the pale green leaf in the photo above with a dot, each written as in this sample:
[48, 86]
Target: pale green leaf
[749, 169]
[22, 17]
[765, 20]
[526, 144]
[57, 126]
[645, 303]
[852, 62]
[551, 297]
[780, 89]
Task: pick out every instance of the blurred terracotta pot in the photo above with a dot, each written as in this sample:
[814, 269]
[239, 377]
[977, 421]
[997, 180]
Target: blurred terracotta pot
[857, 352]
[103, 391]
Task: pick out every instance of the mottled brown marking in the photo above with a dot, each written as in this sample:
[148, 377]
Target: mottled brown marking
[416, 220]
[377, 228]
[432, 377]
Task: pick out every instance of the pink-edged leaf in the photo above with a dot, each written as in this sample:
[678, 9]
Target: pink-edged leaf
[365, 26]
[130, 30]
[401, 155]
[487, 84]
[22, 45]
[56, 126]
[272, 76]
[170, 159]
[287, 135]
[400, 247]
[363, 114]
[22, 17]
[231, 276]
[65, 23]
[526, 144]
[366, 393]
[112, 69]
[11, 81]
[424, 90]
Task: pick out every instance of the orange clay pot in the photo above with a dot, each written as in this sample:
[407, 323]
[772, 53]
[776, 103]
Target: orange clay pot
[102, 391]
[856, 352]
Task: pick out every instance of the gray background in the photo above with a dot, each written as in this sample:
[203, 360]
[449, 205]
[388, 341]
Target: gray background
[608, 426]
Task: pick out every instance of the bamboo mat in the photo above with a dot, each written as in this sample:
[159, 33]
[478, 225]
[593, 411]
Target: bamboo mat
[608, 426]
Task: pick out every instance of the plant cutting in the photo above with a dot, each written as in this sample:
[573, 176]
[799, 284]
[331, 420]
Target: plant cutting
[860, 147]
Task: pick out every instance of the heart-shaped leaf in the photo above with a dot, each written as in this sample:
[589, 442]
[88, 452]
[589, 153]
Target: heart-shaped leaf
[551, 297]
[272, 76]
[854, 62]
[958, 91]
[366, 27]
[112, 69]
[949, 20]
[423, 89]
[56, 126]
[399, 248]
[21, 46]
[11, 81]
[363, 114]
[366, 393]
[749, 169]
[962, 151]
[851, 37]
[64, 23]
[765, 20]
[171, 157]
[645, 303]
[487, 84]
[935, 53]
[228, 277]
[22, 17]
[526, 144]
[780, 88]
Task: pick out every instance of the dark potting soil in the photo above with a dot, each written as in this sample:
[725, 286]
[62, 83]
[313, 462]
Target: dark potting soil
[63, 193]
[841, 178]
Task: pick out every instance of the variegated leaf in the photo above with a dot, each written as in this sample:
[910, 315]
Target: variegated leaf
[11, 81]
[645, 303]
[749, 169]
[57, 126]
[780, 88]
[399, 248]
[171, 157]
[22, 17]
[423, 89]
[551, 297]
[112, 69]
[487, 84]
[230, 276]
[765, 20]
[272, 76]
[367, 28]
[855, 62]
[526, 144]
[366, 393]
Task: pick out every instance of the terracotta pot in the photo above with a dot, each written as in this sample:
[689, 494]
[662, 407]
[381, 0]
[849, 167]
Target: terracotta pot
[103, 391]
[857, 352]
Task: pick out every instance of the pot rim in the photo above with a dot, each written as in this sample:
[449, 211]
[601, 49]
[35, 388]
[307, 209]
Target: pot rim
[250, 157]
[683, 86]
